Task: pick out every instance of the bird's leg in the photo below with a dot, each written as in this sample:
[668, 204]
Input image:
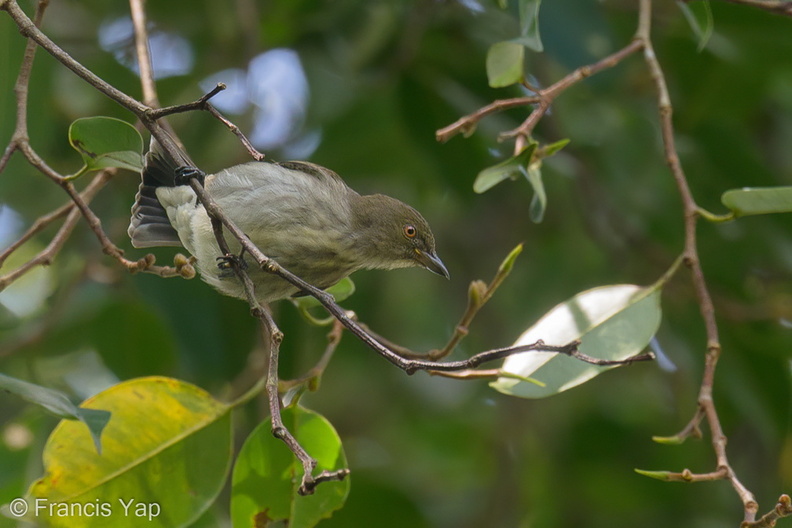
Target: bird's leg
[184, 174]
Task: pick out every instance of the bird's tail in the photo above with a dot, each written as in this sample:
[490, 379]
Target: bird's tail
[150, 226]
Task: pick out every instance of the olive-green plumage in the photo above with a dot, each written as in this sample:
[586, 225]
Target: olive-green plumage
[302, 215]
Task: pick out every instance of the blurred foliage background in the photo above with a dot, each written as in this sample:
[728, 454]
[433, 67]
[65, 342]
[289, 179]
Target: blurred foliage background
[361, 87]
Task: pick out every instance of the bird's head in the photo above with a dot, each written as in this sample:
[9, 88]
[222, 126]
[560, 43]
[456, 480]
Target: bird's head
[391, 234]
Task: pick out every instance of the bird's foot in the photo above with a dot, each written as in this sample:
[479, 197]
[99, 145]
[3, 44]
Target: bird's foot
[185, 173]
[227, 263]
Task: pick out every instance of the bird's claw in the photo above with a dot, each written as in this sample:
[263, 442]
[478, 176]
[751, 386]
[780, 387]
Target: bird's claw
[227, 263]
[185, 173]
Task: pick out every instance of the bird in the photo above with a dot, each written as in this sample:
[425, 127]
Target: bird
[302, 215]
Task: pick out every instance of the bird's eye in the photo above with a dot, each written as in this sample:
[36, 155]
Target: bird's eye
[410, 231]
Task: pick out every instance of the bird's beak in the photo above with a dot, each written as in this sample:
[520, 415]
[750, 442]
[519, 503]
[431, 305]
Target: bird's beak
[430, 261]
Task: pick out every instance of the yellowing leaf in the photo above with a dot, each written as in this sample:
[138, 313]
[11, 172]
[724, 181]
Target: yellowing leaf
[167, 448]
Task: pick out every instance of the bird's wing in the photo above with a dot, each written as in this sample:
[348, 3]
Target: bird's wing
[150, 225]
[317, 171]
[298, 177]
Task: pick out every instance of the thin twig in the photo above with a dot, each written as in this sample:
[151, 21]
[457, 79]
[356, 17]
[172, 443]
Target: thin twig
[687, 476]
[543, 99]
[312, 377]
[255, 154]
[270, 383]
[691, 260]
[548, 95]
[43, 221]
[28, 29]
[45, 256]
[783, 508]
[203, 104]
[143, 53]
[466, 125]
[21, 88]
[779, 7]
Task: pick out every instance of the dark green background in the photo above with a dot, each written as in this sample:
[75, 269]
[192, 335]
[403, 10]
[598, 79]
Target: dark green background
[383, 76]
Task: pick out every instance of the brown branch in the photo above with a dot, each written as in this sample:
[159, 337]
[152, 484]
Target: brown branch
[783, 508]
[145, 264]
[43, 221]
[314, 374]
[478, 294]
[21, 88]
[543, 99]
[258, 156]
[270, 383]
[779, 7]
[203, 104]
[467, 124]
[143, 53]
[45, 256]
[28, 29]
[688, 476]
[548, 95]
[692, 261]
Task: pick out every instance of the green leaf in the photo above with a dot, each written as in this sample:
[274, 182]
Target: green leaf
[529, 24]
[659, 475]
[508, 263]
[58, 404]
[167, 449]
[669, 440]
[105, 142]
[505, 64]
[699, 17]
[510, 168]
[133, 340]
[340, 291]
[758, 200]
[612, 322]
[267, 475]
[552, 148]
[539, 200]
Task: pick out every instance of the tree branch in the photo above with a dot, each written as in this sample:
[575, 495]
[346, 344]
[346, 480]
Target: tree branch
[45, 256]
[783, 508]
[692, 261]
[779, 7]
[543, 99]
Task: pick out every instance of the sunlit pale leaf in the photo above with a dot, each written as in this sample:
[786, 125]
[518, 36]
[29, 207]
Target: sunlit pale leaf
[167, 449]
[758, 200]
[267, 475]
[612, 322]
